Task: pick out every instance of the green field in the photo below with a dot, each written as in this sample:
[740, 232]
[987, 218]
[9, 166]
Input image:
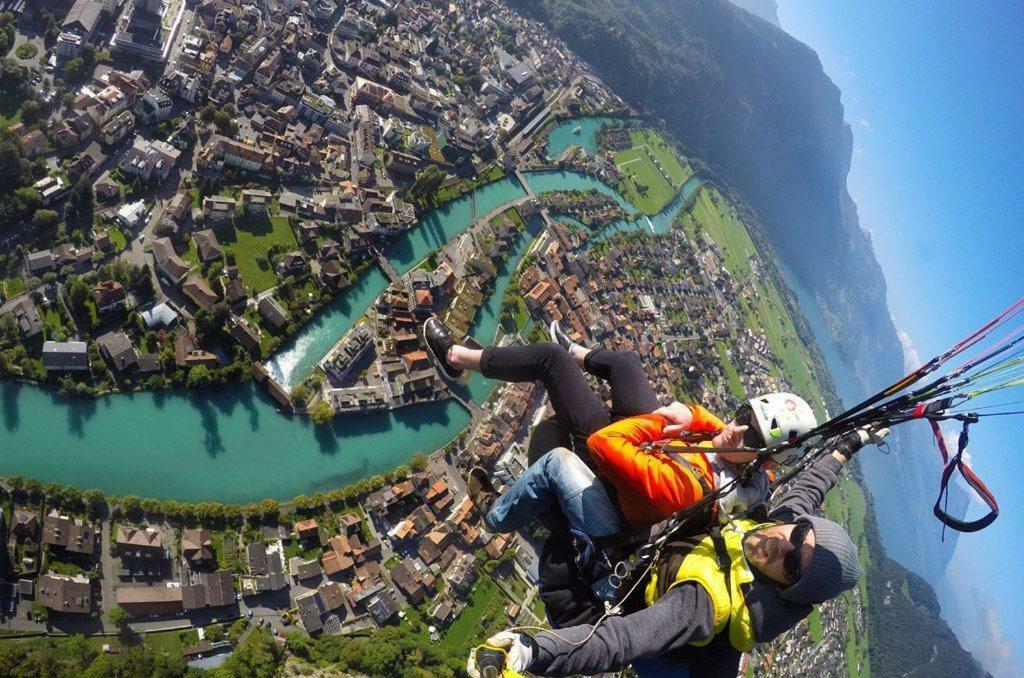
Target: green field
[735, 385]
[814, 626]
[118, 239]
[171, 642]
[476, 619]
[250, 241]
[643, 184]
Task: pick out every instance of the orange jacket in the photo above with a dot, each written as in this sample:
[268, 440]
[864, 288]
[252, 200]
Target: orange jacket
[651, 486]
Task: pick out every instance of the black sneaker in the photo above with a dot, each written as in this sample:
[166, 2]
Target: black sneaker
[559, 336]
[481, 492]
[439, 340]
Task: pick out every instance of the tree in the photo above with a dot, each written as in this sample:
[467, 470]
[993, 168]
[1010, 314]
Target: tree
[74, 69]
[199, 377]
[44, 219]
[214, 633]
[236, 631]
[419, 462]
[322, 413]
[118, 616]
[258, 656]
[79, 293]
[30, 111]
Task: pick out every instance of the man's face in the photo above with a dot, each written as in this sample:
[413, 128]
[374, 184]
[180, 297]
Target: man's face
[780, 551]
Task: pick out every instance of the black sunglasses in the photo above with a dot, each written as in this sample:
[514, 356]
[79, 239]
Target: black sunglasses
[791, 562]
[745, 417]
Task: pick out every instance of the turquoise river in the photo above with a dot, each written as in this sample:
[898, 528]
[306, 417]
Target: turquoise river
[233, 446]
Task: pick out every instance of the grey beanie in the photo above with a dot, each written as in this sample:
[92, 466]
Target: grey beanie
[834, 565]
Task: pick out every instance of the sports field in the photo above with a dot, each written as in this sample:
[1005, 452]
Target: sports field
[651, 172]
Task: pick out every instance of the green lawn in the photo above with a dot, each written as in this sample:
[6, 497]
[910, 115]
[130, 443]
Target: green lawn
[677, 171]
[118, 239]
[250, 241]
[171, 642]
[643, 184]
[10, 109]
[735, 385]
[814, 625]
[470, 624]
[12, 286]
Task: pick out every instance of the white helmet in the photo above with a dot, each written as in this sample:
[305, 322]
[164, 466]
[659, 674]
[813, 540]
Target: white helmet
[779, 418]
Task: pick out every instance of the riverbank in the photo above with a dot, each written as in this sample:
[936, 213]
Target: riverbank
[232, 445]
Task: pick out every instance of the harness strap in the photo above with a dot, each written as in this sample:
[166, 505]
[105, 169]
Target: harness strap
[954, 463]
[722, 554]
[640, 535]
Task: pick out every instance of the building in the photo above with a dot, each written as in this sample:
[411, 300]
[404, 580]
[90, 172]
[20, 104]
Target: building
[109, 295]
[256, 202]
[196, 289]
[160, 317]
[272, 313]
[69, 535]
[154, 106]
[27, 317]
[245, 334]
[207, 245]
[65, 356]
[150, 159]
[308, 605]
[136, 542]
[39, 262]
[64, 594]
[140, 34]
[212, 589]
[409, 581]
[197, 547]
[142, 601]
[118, 350]
[78, 28]
[218, 209]
[167, 261]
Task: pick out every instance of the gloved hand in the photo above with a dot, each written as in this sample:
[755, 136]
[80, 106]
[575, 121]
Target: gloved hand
[519, 647]
[850, 443]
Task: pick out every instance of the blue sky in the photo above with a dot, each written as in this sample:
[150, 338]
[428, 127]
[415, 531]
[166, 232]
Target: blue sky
[934, 93]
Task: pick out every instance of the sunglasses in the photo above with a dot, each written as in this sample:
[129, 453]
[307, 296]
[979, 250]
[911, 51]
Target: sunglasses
[745, 417]
[791, 562]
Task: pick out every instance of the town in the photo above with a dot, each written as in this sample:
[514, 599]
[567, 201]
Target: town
[193, 181]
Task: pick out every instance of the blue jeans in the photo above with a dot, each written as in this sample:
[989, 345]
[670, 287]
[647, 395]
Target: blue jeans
[660, 667]
[563, 478]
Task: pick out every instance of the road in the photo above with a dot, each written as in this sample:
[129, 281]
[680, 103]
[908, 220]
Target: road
[108, 570]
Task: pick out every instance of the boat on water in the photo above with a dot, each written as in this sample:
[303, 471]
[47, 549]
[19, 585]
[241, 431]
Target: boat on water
[577, 129]
[649, 224]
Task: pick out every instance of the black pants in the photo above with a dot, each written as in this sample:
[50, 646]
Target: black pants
[579, 411]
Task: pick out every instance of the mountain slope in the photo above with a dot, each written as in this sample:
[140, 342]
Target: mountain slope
[755, 104]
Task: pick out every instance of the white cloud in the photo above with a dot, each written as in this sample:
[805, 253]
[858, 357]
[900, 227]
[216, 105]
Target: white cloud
[911, 359]
[865, 124]
[996, 648]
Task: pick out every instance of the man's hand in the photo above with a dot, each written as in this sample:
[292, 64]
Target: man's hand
[518, 648]
[850, 443]
[679, 416]
[732, 436]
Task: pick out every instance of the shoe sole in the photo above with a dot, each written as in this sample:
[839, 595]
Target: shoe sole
[554, 335]
[438, 362]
